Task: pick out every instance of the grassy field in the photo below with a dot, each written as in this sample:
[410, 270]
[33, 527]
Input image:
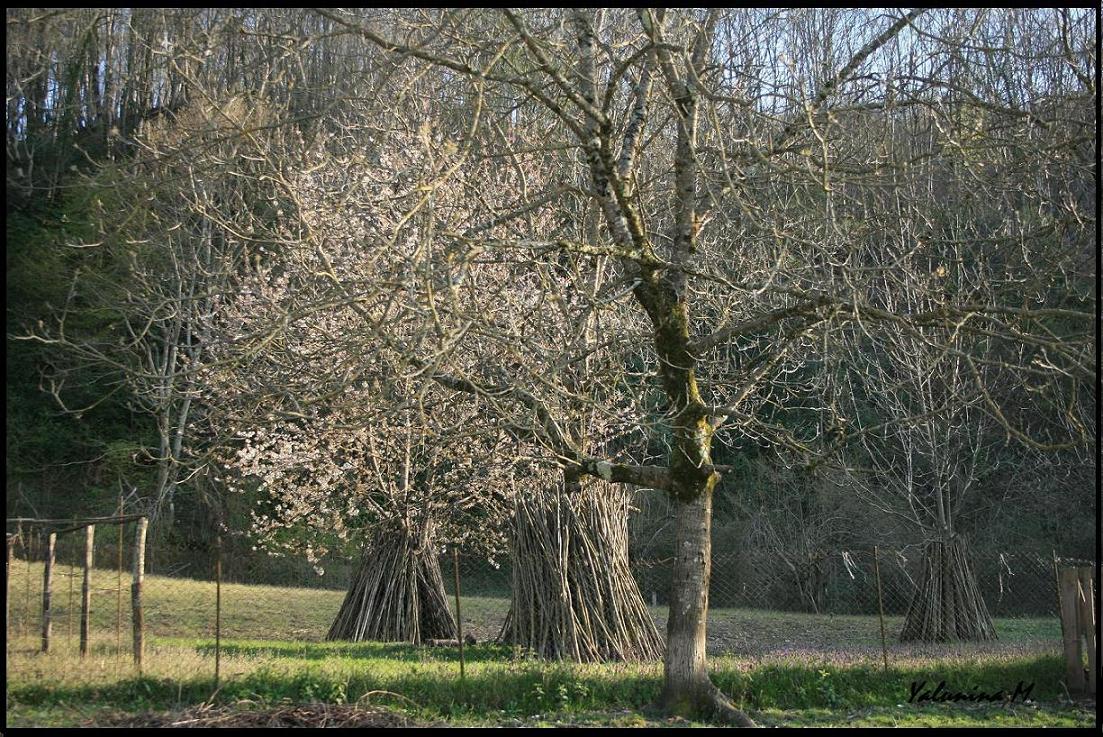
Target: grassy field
[183, 607]
[783, 668]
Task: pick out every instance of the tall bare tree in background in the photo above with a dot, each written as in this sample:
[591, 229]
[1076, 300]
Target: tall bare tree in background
[101, 96]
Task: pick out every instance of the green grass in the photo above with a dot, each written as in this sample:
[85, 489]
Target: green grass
[273, 652]
[425, 683]
[956, 715]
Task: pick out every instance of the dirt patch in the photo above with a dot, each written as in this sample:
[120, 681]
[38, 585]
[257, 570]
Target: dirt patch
[291, 715]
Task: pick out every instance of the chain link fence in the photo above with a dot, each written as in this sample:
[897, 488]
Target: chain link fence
[204, 611]
[835, 603]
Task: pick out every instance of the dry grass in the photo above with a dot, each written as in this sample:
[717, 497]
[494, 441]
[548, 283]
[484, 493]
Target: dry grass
[185, 608]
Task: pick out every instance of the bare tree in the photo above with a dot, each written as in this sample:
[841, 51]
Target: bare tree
[922, 399]
[672, 138]
[796, 521]
[709, 215]
[927, 442]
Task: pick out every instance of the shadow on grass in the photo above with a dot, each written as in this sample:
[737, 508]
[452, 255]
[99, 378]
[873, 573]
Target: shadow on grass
[95, 650]
[513, 690]
[522, 688]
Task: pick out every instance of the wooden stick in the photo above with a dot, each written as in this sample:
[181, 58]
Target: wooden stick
[459, 616]
[86, 589]
[136, 590]
[47, 585]
[218, 612]
[119, 591]
[25, 621]
[69, 607]
[880, 610]
[383, 601]
[514, 603]
[1057, 586]
[7, 584]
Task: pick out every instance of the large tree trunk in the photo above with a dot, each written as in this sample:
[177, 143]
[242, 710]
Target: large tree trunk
[574, 595]
[397, 595]
[947, 606]
[686, 685]
[687, 688]
[686, 676]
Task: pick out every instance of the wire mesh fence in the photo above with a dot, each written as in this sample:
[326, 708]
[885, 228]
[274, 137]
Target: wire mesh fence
[836, 603]
[69, 600]
[203, 611]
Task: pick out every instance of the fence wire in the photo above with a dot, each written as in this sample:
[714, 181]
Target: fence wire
[761, 606]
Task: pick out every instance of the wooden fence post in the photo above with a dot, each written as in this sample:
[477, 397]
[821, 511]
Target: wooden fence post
[1085, 601]
[7, 579]
[47, 585]
[218, 612]
[86, 589]
[880, 610]
[459, 616]
[1070, 631]
[136, 590]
